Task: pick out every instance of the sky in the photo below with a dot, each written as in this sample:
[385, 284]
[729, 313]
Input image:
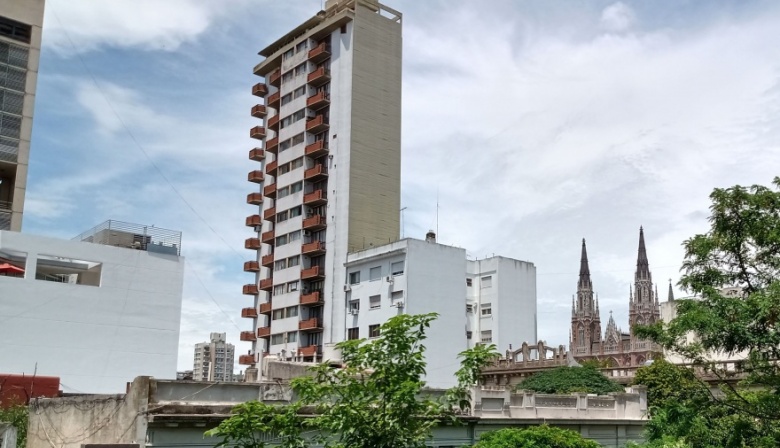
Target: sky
[532, 124]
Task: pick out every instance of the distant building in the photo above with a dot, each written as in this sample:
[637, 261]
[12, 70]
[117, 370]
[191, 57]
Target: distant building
[184, 375]
[214, 359]
[20, 49]
[95, 315]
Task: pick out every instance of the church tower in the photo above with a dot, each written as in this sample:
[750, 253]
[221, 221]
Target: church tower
[585, 320]
[643, 308]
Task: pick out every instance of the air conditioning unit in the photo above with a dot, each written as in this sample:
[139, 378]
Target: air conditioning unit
[347, 288]
[354, 311]
[389, 279]
[306, 233]
[399, 304]
[258, 229]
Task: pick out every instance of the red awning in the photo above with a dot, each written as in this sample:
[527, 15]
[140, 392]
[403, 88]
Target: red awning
[7, 268]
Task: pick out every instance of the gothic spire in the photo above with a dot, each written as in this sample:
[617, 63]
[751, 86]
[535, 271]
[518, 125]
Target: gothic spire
[642, 265]
[584, 269]
[671, 293]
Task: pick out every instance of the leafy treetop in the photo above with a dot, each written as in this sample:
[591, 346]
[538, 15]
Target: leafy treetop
[564, 380]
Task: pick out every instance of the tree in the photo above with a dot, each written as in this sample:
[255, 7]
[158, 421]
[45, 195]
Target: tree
[534, 437]
[564, 380]
[741, 250]
[667, 382]
[18, 416]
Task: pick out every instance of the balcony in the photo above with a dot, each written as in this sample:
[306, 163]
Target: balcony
[315, 272]
[309, 351]
[319, 53]
[270, 168]
[266, 284]
[273, 121]
[267, 260]
[246, 360]
[273, 100]
[271, 145]
[250, 312]
[254, 221]
[316, 149]
[315, 222]
[264, 332]
[254, 199]
[248, 336]
[250, 289]
[265, 308]
[275, 77]
[268, 237]
[270, 191]
[259, 111]
[251, 266]
[312, 324]
[257, 132]
[315, 125]
[256, 154]
[255, 176]
[259, 89]
[313, 248]
[318, 172]
[311, 299]
[316, 197]
[318, 77]
[318, 100]
[252, 244]
[269, 214]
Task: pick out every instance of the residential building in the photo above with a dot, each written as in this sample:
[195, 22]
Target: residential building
[20, 48]
[329, 181]
[95, 311]
[214, 359]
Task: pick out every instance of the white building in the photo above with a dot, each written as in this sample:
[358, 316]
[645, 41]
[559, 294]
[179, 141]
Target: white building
[214, 359]
[95, 315]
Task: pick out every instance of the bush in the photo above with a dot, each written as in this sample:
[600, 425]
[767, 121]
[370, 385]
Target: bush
[565, 380]
[534, 437]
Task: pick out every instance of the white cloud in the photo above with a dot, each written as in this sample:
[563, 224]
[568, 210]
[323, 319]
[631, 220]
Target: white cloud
[617, 17]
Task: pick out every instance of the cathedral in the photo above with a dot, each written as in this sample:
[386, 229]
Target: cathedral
[615, 347]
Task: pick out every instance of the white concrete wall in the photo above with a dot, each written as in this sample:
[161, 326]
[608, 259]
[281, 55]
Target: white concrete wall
[95, 338]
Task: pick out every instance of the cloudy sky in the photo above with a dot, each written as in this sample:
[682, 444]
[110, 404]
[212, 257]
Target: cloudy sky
[536, 123]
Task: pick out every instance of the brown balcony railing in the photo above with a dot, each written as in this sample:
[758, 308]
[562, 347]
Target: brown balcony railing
[251, 266]
[315, 197]
[250, 289]
[259, 111]
[269, 214]
[259, 89]
[268, 237]
[318, 77]
[308, 351]
[248, 336]
[256, 154]
[255, 176]
[270, 191]
[317, 172]
[318, 100]
[313, 248]
[313, 272]
[253, 221]
[317, 124]
[267, 260]
[320, 52]
[315, 222]
[265, 308]
[273, 121]
[270, 168]
[246, 360]
[252, 244]
[266, 284]
[264, 332]
[257, 132]
[271, 145]
[273, 100]
[311, 299]
[316, 149]
[254, 198]
[250, 312]
[275, 77]
[310, 324]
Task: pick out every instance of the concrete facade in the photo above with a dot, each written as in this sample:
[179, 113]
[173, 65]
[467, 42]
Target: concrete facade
[20, 49]
[170, 413]
[94, 315]
[213, 360]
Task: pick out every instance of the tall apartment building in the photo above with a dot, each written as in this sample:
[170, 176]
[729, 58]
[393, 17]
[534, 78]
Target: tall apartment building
[330, 180]
[20, 48]
[214, 359]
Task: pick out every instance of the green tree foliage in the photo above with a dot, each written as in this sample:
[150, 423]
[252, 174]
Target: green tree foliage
[667, 382]
[564, 380]
[458, 398]
[257, 425]
[741, 249]
[534, 437]
[18, 416]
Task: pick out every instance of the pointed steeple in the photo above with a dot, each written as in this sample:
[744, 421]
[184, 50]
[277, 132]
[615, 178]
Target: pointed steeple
[584, 269]
[671, 293]
[642, 265]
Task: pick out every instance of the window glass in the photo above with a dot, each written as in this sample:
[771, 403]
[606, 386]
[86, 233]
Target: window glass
[292, 311]
[282, 216]
[396, 296]
[294, 236]
[280, 264]
[298, 139]
[468, 282]
[297, 163]
[296, 187]
[354, 278]
[292, 336]
[281, 240]
[354, 305]
[397, 268]
[486, 309]
[292, 286]
[277, 314]
[353, 333]
[487, 282]
[486, 336]
[374, 302]
[293, 261]
[277, 339]
[373, 331]
[295, 211]
[375, 273]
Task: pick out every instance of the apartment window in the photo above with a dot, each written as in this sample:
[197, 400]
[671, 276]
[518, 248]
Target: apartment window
[293, 261]
[354, 278]
[289, 53]
[295, 211]
[486, 309]
[297, 163]
[468, 334]
[287, 77]
[486, 336]
[374, 302]
[281, 240]
[278, 289]
[397, 268]
[353, 333]
[468, 282]
[15, 30]
[292, 286]
[292, 311]
[469, 308]
[297, 93]
[487, 282]
[354, 306]
[280, 264]
[299, 70]
[298, 139]
[375, 273]
[287, 98]
[301, 46]
[283, 169]
[294, 236]
[277, 339]
[277, 314]
[373, 331]
[285, 145]
[292, 336]
[396, 296]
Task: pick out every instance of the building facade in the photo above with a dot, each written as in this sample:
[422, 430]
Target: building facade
[20, 48]
[616, 347]
[329, 173]
[95, 311]
[214, 359]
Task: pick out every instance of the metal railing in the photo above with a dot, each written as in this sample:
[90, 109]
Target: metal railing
[134, 236]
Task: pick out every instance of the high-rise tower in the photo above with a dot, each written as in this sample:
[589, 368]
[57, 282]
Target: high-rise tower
[330, 185]
[20, 48]
[643, 308]
[585, 320]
